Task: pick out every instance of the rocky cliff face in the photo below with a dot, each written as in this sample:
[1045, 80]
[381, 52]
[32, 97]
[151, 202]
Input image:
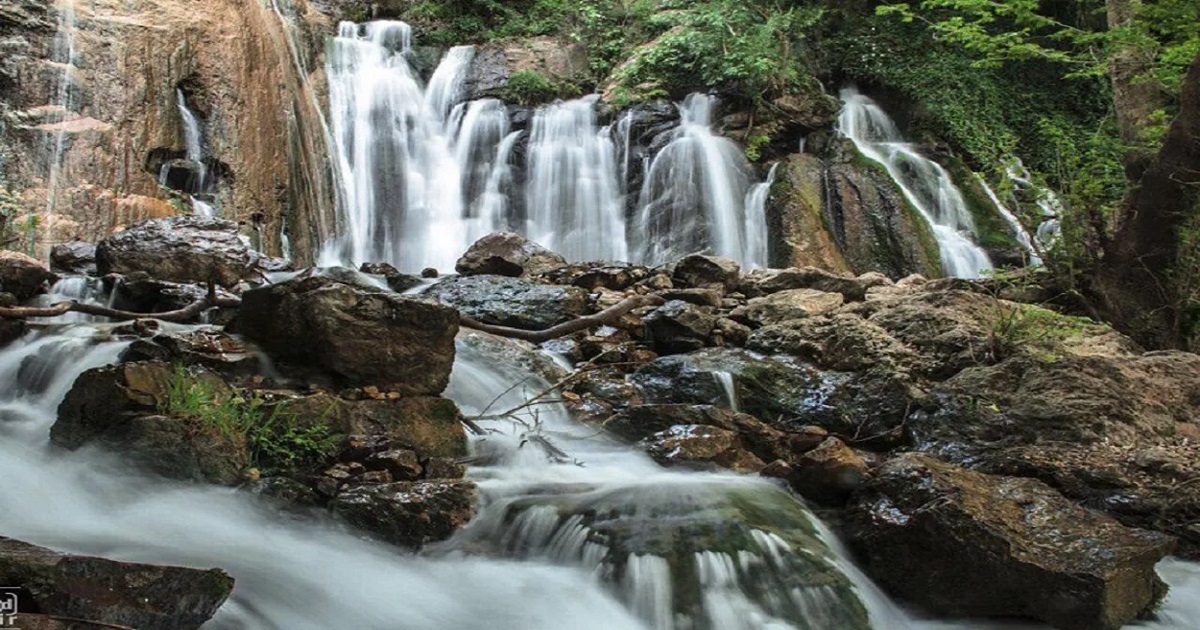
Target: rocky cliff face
[89, 113]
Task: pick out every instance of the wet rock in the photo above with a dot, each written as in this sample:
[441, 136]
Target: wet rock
[699, 297]
[140, 293]
[120, 407]
[513, 302]
[353, 335]
[143, 596]
[409, 514]
[402, 465]
[23, 276]
[678, 326]
[614, 276]
[775, 280]
[792, 304]
[701, 445]
[284, 492]
[182, 249]
[507, 254]
[75, 257]
[552, 58]
[968, 544]
[796, 216]
[396, 281]
[432, 426]
[444, 468]
[707, 272]
[645, 421]
[828, 473]
[209, 347]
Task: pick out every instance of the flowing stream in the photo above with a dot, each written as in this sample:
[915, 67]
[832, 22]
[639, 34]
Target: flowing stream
[926, 185]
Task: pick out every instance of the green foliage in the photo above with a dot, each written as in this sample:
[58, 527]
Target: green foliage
[526, 87]
[754, 146]
[279, 442]
[1035, 330]
[743, 46]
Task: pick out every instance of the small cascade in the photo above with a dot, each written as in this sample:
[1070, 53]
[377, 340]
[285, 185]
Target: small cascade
[574, 205]
[1049, 230]
[694, 195]
[1019, 231]
[63, 56]
[482, 126]
[757, 251]
[403, 192]
[728, 388]
[926, 185]
[193, 140]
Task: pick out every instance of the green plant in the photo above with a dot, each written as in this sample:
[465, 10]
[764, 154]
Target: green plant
[754, 146]
[526, 87]
[1040, 332]
[279, 442]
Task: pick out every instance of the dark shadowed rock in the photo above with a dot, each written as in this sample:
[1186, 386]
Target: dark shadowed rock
[507, 254]
[142, 596]
[119, 407]
[514, 302]
[967, 544]
[828, 473]
[182, 249]
[209, 347]
[644, 421]
[409, 514]
[678, 326]
[432, 426]
[23, 276]
[73, 257]
[707, 272]
[354, 335]
[701, 445]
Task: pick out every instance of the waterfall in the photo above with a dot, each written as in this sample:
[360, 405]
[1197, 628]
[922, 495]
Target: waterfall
[756, 221]
[193, 140]
[1049, 230]
[446, 85]
[1019, 231]
[694, 195]
[573, 196]
[62, 55]
[926, 185]
[400, 185]
[482, 126]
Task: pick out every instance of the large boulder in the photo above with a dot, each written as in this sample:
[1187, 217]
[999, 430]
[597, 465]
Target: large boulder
[73, 257]
[646, 421]
[23, 276]
[706, 272]
[188, 248]
[354, 335]
[87, 589]
[507, 254]
[678, 326]
[968, 544]
[495, 64]
[796, 216]
[702, 446]
[409, 514]
[514, 302]
[792, 304]
[432, 426]
[123, 408]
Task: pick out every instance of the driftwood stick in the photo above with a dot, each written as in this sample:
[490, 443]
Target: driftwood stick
[188, 313]
[605, 317]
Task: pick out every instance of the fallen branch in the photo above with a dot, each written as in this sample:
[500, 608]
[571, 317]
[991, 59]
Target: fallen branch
[603, 318]
[188, 313]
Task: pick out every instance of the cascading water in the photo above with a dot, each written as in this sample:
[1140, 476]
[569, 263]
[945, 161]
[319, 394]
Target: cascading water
[1049, 230]
[756, 220]
[482, 126]
[62, 56]
[694, 196]
[400, 187]
[573, 196]
[1019, 231]
[193, 139]
[926, 185]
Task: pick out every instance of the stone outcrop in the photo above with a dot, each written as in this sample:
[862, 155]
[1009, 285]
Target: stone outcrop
[409, 514]
[122, 408]
[87, 589]
[23, 276]
[508, 254]
[556, 60]
[120, 121]
[513, 302]
[1009, 546]
[353, 335]
[73, 257]
[182, 249]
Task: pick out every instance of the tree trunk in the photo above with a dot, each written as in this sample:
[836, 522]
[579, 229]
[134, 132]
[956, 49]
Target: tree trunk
[1139, 282]
[1134, 99]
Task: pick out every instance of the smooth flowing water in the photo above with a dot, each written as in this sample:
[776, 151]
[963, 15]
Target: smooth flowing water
[926, 185]
[63, 59]
[695, 194]
[570, 533]
[1018, 229]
